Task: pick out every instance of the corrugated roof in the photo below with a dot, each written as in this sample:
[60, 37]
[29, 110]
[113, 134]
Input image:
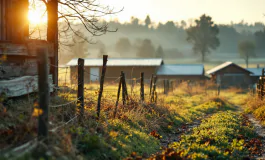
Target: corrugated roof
[222, 66]
[181, 69]
[119, 62]
[255, 71]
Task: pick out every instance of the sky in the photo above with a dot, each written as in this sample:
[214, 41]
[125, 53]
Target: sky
[222, 11]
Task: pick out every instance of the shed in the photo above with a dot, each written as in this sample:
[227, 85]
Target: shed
[192, 72]
[230, 74]
[256, 73]
[132, 67]
[18, 62]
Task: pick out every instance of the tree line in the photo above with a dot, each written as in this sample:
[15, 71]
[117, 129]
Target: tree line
[226, 38]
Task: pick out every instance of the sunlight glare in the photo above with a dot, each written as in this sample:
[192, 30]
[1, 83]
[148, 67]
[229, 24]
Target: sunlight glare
[36, 17]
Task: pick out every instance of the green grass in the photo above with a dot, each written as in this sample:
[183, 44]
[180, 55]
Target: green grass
[114, 138]
[222, 136]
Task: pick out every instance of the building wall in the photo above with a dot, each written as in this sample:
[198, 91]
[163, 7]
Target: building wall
[113, 73]
[232, 76]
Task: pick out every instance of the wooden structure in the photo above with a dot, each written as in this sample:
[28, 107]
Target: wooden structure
[182, 72]
[261, 85]
[132, 67]
[19, 68]
[256, 74]
[229, 74]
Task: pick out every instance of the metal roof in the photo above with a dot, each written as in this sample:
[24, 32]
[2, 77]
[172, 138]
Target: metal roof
[255, 71]
[224, 65]
[119, 62]
[181, 69]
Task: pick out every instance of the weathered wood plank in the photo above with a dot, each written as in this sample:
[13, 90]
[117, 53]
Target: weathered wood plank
[27, 49]
[22, 86]
[17, 67]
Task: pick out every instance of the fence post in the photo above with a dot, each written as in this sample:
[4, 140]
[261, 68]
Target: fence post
[151, 84]
[44, 97]
[123, 88]
[142, 87]
[172, 86]
[80, 90]
[262, 84]
[155, 97]
[118, 97]
[104, 68]
[154, 89]
[165, 86]
[258, 88]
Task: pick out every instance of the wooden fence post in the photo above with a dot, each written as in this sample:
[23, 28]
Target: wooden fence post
[165, 92]
[123, 88]
[151, 84]
[154, 89]
[142, 87]
[172, 86]
[80, 90]
[168, 86]
[125, 96]
[118, 97]
[262, 84]
[156, 97]
[104, 68]
[44, 94]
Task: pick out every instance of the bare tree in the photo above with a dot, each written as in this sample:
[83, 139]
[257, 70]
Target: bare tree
[85, 12]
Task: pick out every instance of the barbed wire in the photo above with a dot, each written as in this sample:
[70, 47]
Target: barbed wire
[61, 105]
[54, 129]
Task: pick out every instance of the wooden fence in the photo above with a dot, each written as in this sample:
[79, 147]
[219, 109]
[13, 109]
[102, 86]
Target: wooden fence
[44, 93]
[261, 86]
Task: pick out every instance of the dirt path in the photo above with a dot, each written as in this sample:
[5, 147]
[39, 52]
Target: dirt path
[260, 130]
[184, 129]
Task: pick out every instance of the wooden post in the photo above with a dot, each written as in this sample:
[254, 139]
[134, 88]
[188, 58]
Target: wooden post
[125, 96]
[44, 97]
[52, 36]
[154, 89]
[151, 84]
[104, 68]
[80, 90]
[262, 84]
[165, 86]
[123, 88]
[142, 87]
[172, 86]
[155, 97]
[118, 97]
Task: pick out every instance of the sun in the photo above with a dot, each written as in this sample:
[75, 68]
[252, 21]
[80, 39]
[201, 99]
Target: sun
[35, 17]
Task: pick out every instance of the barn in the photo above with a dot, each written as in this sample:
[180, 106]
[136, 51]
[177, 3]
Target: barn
[256, 73]
[183, 72]
[230, 74]
[18, 53]
[132, 67]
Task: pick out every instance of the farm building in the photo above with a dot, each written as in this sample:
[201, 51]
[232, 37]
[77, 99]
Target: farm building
[132, 67]
[230, 74]
[18, 53]
[256, 73]
[193, 72]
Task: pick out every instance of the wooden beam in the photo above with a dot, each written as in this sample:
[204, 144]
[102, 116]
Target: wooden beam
[52, 35]
[21, 86]
[28, 49]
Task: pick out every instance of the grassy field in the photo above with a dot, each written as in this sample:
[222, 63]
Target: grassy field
[138, 129]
